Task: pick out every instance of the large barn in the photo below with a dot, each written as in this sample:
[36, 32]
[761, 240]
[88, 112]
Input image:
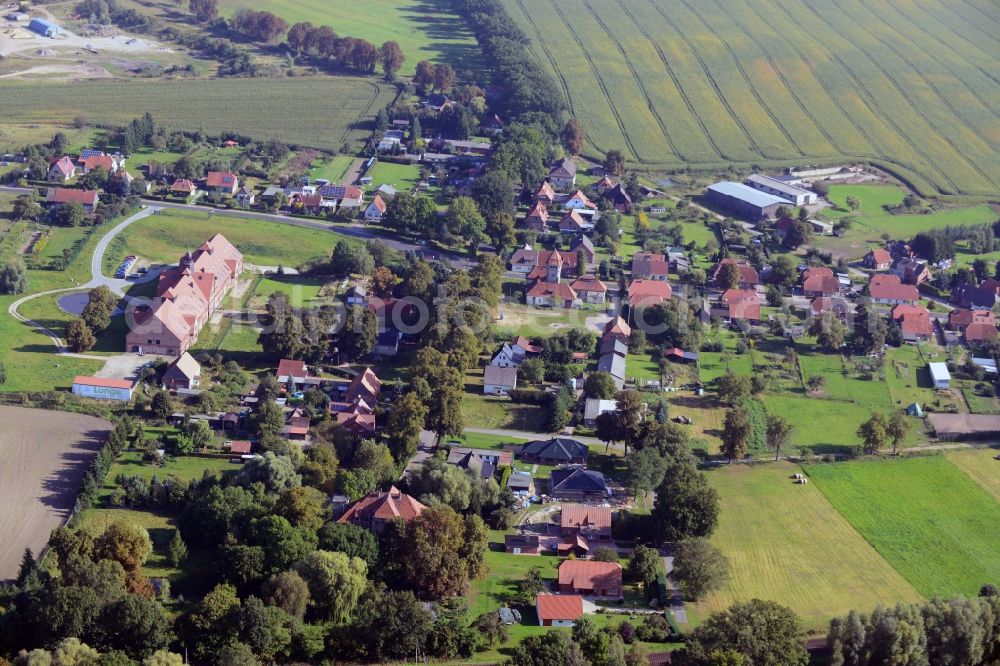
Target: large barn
[744, 200]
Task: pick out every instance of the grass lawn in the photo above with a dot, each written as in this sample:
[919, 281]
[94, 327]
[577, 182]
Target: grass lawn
[301, 290]
[642, 366]
[404, 177]
[185, 468]
[873, 198]
[332, 169]
[492, 412]
[982, 467]
[786, 543]
[241, 337]
[930, 521]
[164, 237]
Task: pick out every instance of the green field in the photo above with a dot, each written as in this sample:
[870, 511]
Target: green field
[404, 177]
[982, 465]
[425, 29]
[927, 518]
[780, 82]
[328, 111]
[332, 169]
[786, 543]
[164, 237]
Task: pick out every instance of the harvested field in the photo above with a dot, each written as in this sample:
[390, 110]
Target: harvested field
[780, 83]
[44, 457]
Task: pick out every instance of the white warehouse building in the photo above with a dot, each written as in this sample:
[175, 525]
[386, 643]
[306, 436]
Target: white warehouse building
[102, 388]
[778, 188]
[939, 375]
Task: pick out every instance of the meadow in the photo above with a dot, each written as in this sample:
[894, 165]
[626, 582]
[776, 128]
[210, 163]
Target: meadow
[424, 29]
[982, 466]
[786, 543]
[329, 111]
[164, 237]
[779, 83]
[925, 516]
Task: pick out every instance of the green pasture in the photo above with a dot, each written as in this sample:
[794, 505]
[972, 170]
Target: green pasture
[213, 105]
[302, 290]
[925, 516]
[167, 235]
[778, 83]
[786, 543]
[982, 466]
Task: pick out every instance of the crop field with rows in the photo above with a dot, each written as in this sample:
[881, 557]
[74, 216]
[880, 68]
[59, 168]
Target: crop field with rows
[320, 112]
[911, 86]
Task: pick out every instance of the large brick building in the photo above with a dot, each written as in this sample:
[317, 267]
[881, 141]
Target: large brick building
[186, 297]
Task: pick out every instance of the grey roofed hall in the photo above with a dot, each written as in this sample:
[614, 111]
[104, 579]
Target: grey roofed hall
[557, 448]
[613, 346]
[776, 184]
[613, 364]
[497, 376]
[747, 194]
[577, 480]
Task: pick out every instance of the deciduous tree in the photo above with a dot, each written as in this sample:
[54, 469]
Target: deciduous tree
[699, 567]
[335, 582]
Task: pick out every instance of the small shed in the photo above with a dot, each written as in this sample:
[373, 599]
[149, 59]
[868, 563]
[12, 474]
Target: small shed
[939, 375]
[914, 410]
[44, 28]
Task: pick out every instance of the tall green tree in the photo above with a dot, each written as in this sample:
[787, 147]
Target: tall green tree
[763, 632]
[699, 567]
[874, 433]
[336, 582]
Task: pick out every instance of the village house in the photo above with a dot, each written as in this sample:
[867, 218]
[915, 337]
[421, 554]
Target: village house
[583, 245]
[616, 329]
[545, 194]
[521, 544]
[292, 371]
[590, 577]
[59, 196]
[748, 274]
[579, 201]
[507, 357]
[296, 427]
[604, 184]
[578, 484]
[562, 174]
[485, 462]
[499, 381]
[819, 282]
[591, 522]
[183, 187]
[644, 293]
[523, 345]
[910, 271]
[572, 224]
[552, 295]
[558, 610]
[594, 407]
[356, 295]
[976, 326]
[186, 297]
[615, 365]
[741, 304]
[877, 259]
[536, 264]
[222, 182]
[589, 289]
[183, 373]
[375, 210]
[537, 218]
[555, 451]
[822, 304]
[619, 198]
[983, 296]
[375, 510]
[914, 322]
[245, 196]
[107, 163]
[887, 289]
[649, 266]
[61, 170]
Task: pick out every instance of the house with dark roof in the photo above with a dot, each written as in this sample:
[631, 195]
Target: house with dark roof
[619, 198]
[499, 381]
[483, 461]
[650, 266]
[183, 373]
[910, 270]
[576, 483]
[586, 246]
[375, 510]
[562, 174]
[984, 296]
[521, 544]
[613, 345]
[614, 365]
[591, 577]
[555, 451]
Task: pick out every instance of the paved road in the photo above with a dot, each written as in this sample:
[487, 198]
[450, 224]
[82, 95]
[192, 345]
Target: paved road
[522, 434]
[676, 601]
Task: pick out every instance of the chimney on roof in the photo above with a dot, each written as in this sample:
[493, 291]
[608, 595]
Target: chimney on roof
[187, 260]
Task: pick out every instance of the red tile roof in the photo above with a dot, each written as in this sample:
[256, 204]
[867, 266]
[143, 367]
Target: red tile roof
[378, 203]
[557, 290]
[579, 515]
[545, 191]
[647, 264]
[890, 287]
[913, 320]
[879, 256]
[617, 327]
[383, 505]
[980, 331]
[748, 275]
[571, 221]
[103, 382]
[64, 164]
[820, 280]
[559, 607]
[962, 317]
[539, 210]
[183, 185]
[588, 283]
[221, 179]
[240, 446]
[63, 195]
[590, 574]
[648, 292]
[742, 304]
[105, 162]
[290, 368]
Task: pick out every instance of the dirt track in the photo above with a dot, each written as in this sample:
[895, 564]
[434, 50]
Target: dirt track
[43, 456]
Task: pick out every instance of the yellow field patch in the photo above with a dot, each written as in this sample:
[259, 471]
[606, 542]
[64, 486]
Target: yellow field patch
[981, 465]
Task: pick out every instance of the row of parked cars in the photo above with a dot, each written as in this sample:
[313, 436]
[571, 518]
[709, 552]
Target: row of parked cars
[126, 267]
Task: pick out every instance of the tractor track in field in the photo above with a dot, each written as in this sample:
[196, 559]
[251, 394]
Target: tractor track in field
[715, 85]
[746, 79]
[937, 92]
[673, 77]
[598, 78]
[971, 88]
[888, 116]
[978, 28]
[638, 81]
[917, 108]
[785, 82]
[860, 128]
